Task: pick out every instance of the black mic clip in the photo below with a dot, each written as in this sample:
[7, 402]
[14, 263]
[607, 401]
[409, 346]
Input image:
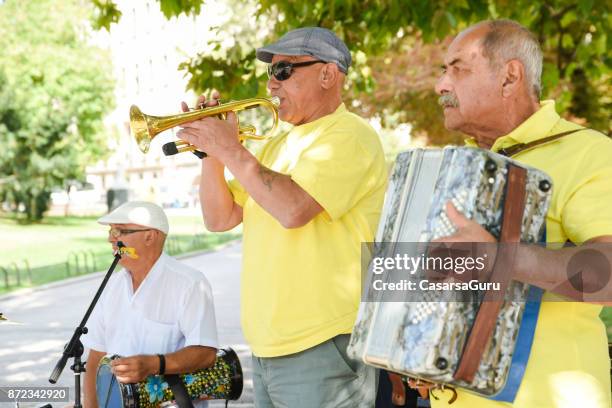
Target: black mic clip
[120, 246]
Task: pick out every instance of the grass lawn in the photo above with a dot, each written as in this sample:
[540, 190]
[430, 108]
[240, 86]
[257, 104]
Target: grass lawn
[82, 243]
[48, 245]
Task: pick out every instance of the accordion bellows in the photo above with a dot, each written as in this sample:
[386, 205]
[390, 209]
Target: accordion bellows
[424, 337]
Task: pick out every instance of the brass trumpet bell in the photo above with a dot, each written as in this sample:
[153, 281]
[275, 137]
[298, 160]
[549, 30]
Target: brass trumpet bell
[145, 127]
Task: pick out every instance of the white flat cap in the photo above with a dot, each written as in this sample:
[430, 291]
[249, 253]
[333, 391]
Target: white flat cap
[138, 212]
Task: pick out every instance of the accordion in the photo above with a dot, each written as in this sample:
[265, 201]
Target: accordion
[422, 336]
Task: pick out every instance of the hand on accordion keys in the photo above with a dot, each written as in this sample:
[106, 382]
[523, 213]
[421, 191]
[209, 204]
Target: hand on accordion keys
[470, 241]
[466, 229]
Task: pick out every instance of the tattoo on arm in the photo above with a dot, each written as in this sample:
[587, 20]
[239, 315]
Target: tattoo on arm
[267, 176]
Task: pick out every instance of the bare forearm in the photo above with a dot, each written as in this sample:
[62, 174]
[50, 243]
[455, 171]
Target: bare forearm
[552, 269]
[218, 207]
[136, 368]
[275, 192]
[190, 359]
[89, 389]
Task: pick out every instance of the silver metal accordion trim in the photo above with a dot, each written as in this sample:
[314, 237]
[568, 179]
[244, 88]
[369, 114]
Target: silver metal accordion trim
[414, 337]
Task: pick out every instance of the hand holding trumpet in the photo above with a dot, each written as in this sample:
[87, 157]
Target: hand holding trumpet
[215, 136]
[214, 126]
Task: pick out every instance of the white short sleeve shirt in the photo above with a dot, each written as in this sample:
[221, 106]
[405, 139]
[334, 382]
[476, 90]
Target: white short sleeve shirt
[171, 309]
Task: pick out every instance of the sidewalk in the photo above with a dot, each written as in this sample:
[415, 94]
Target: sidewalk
[50, 314]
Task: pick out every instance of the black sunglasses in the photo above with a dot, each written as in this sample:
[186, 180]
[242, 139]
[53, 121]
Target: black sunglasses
[282, 70]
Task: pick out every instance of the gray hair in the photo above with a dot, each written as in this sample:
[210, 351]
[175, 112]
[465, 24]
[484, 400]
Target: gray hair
[507, 40]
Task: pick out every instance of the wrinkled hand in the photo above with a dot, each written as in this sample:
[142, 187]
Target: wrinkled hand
[216, 137]
[470, 241]
[134, 369]
[467, 230]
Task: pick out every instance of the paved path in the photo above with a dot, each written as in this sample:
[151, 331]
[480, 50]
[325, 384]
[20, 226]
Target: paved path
[29, 352]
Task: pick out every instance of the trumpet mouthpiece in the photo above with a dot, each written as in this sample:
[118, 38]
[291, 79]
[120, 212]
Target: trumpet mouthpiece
[275, 101]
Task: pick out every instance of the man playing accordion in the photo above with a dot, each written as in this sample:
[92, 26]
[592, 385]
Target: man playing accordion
[490, 89]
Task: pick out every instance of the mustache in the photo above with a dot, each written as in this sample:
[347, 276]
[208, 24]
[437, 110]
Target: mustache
[448, 100]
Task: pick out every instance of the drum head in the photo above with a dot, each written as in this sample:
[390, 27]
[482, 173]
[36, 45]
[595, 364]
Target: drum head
[110, 392]
[107, 388]
[231, 358]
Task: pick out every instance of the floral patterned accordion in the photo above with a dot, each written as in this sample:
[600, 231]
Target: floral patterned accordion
[455, 343]
[221, 381]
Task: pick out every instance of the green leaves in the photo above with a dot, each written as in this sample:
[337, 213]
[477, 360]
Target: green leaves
[53, 97]
[586, 6]
[105, 14]
[173, 8]
[574, 36]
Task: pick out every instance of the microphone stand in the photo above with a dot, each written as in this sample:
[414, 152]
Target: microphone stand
[74, 348]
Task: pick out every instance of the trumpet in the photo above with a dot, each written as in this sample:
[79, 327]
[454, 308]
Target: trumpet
[145, 127]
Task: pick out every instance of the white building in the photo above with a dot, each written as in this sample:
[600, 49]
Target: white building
[146, 50]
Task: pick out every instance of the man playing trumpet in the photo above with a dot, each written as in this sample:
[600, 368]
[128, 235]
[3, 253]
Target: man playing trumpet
[307, 201]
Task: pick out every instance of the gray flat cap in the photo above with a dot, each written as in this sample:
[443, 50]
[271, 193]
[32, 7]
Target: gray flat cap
[316, 41]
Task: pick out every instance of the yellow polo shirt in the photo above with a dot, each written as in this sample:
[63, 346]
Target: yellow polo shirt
[302, 286]
[569, 365]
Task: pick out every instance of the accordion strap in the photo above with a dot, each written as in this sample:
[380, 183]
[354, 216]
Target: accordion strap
[518, 148]
[398, 391]
[486, 318]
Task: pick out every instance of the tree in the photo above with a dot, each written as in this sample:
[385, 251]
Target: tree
[57, 89]
[574, 36]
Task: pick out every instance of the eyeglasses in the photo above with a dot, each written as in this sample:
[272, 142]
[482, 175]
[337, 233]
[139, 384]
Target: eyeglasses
[282, 70]
[117, 232]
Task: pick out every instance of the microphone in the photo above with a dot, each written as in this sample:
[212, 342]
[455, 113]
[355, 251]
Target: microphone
[129, 251]
[59, 367]
[74, 348]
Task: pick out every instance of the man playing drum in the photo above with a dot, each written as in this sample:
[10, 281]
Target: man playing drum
[156, 313]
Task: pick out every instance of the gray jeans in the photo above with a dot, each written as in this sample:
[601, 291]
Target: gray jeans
[319, 377]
